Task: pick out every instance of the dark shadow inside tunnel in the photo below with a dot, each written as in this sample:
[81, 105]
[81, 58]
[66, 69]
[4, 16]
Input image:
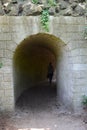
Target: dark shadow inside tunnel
[30, 63]
[38, 98]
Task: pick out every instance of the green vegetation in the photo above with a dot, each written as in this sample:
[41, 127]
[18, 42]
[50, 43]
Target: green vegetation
[45, 14]
[85, 32]
[45, 19]
[51, 3]
[1, 65]
[35, 1]
[84, 100]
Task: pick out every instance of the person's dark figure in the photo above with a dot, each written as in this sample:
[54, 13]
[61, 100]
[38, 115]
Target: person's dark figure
[50, 72]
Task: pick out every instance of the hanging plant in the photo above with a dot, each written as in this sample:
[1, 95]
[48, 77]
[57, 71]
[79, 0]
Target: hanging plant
[45, 19]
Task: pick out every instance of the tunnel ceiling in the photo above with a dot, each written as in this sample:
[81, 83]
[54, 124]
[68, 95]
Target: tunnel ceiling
[34, 53]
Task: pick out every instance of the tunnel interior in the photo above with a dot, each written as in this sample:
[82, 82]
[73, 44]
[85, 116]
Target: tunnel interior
[30, 63]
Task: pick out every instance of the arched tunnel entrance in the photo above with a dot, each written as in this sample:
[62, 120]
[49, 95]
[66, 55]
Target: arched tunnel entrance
[31, 59]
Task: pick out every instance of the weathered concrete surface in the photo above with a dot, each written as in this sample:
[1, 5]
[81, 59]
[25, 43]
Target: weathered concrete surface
[71, 61]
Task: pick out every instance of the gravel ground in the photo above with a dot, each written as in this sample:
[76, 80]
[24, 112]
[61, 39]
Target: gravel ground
[37, 108]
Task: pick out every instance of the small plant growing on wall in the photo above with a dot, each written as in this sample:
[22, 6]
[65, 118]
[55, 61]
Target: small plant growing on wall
[1, 65]
[51, 2]
[85, 32]
[84, 102]
[45, 19]
[45, 14]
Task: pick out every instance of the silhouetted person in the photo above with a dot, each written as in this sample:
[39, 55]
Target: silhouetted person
[50, 72]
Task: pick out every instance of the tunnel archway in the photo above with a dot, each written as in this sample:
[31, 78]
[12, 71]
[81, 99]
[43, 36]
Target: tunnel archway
[31, 59]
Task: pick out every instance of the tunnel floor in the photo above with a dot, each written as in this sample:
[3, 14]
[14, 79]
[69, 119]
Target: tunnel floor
[37, 109]
[41, 97]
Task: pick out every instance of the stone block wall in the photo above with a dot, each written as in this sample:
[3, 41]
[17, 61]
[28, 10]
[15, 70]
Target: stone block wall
[72, 62]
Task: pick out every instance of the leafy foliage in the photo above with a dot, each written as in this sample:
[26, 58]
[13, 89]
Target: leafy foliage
[1, 65]
[84, 101]
[45, 14]
[45, 19]
[51, 2]
[35, 1]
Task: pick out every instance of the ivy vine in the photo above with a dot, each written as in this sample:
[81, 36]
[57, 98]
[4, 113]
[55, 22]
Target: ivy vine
[45, 14]
[45, 20]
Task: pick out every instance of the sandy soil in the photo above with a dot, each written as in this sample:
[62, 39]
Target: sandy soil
[37, 108]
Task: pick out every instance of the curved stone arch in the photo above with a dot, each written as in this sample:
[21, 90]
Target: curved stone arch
[50, 46]
[25, 26]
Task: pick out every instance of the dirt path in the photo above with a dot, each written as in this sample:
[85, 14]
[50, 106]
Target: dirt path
[37, 108]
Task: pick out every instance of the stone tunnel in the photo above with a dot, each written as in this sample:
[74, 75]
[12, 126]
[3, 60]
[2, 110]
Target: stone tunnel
[26, 50]
[31, 59]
